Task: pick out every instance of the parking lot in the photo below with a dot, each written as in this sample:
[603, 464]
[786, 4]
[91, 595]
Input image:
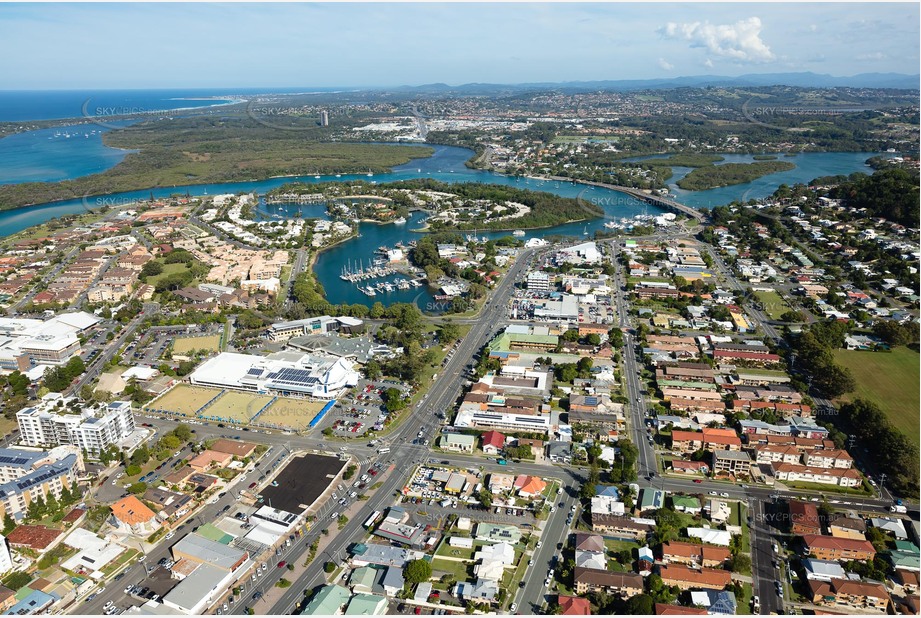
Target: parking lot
[362, 409]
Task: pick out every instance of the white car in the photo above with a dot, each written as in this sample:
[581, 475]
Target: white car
[539, 543]
[169, 535]
[724, 495]
[512, 607]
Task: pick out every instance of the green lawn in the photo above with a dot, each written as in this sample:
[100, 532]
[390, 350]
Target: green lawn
[772, 303]
[458, 569]
[890, 380]
[168, 269]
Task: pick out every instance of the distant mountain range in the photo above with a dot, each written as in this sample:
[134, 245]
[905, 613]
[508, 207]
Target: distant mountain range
[803, 80]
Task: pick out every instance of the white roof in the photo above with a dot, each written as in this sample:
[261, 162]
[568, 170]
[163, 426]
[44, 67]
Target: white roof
[140, 373]
[80, 319]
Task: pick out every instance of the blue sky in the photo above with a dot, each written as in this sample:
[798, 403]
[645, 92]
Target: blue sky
[45, 46]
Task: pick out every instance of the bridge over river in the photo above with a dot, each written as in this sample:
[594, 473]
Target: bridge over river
[655, 200]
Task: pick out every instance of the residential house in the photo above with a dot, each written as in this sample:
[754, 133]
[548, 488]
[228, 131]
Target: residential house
[851, 594]
[132, 515]
[804, 518]
[686, 578]
[624, 585]
[835, 548]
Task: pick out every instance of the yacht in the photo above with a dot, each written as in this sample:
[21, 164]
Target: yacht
[518, 233]
[400, 221]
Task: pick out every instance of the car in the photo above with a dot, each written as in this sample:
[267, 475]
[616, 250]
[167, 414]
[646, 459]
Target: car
[91, 597]
[698, 481]
[129, 588]
[169, 535]
[334, 515]
[512, 607]
[546, 582]
[723, 494]
[713, 493]
[539, 543]
[282, 564]
[264, 567]
[253, 577]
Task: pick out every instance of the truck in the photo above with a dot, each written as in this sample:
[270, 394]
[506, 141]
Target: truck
[898, 508]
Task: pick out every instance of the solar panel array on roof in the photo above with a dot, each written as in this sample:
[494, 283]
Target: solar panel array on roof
[254, 371]
[14, 461]
[293, 376]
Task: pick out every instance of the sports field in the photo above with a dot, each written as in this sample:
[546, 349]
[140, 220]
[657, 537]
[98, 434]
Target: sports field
[890, 380]
[183, 399]
[184, 345]
[774, 306]
[236, 407]
[293, 413]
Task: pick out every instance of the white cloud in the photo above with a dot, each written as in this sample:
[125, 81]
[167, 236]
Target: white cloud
[740, 41]
[708, 63]
[873, 56]
[665, 64]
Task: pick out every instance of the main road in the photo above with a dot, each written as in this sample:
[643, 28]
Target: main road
[403, 454]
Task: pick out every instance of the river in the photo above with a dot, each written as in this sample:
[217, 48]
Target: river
[446, 164]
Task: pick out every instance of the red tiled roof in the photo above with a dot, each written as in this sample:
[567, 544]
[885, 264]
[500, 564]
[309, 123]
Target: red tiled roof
[36, 537]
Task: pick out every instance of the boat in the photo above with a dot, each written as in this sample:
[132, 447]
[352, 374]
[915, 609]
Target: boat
[585, 231]
[518, 233]
[369, 174]
[400, 221]
[338, 175]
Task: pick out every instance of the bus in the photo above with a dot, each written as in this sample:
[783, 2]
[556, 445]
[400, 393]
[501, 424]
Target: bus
[369, 523]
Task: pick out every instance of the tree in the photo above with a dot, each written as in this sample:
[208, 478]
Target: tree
[140, 456]
[593, 339]
[373, 370]
[417, 571]
[137, 488]
[640, 605]
[393, 399]
[448, 332]
[8, 524]
[895, 334]
[741, 563]
[329, 567]
[151, 269]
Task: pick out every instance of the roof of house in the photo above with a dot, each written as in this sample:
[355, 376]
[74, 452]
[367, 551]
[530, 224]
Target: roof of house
[530, 485]
[233, 447]
[36, 537]
[608, 579]
[679, 610]
[493, 438]
[130, 510]
[709, 577]
[841, 544]
[589, 542]
[804, 513]
[574, 606]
